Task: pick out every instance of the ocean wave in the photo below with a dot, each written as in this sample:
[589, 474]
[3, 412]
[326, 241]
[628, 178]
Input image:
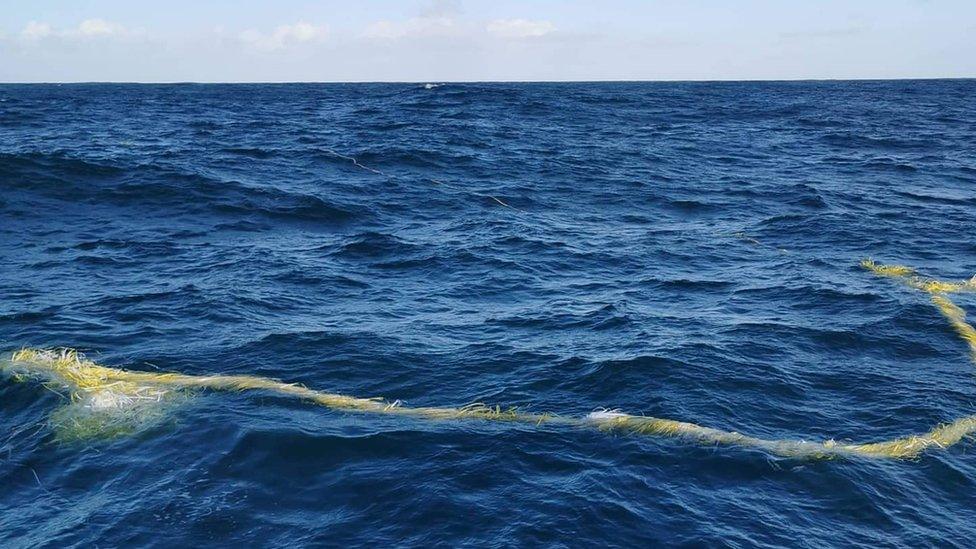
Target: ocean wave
[941, 198]
[251, 152]
[855, 140]
[77, 180]
[682, 250]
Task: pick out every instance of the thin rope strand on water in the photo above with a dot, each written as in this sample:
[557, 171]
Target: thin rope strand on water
[357, 163]
[87, 380]
[354, 162]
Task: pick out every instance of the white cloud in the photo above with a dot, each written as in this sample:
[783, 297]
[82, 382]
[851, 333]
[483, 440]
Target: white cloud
[99, 27]
[35, 30]
[519, 28]
[284, 35]
[89, 28]
[441, 8]
[411, 28]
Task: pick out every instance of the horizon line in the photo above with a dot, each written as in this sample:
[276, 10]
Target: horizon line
[504, 81]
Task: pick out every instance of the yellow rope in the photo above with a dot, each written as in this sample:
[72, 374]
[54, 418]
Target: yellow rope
[99, 387]
[909, 277]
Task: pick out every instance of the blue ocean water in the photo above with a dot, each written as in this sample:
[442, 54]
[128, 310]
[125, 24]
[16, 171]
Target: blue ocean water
[680, 250]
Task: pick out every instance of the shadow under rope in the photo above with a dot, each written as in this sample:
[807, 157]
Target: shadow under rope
[107, 402]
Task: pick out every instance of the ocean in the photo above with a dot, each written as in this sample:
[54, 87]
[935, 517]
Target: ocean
[686, 251]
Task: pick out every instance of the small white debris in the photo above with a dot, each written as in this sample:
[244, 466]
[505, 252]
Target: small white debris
[107, 400]
[604, 414]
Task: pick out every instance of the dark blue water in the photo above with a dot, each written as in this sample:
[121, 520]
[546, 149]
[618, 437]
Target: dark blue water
[684, 250]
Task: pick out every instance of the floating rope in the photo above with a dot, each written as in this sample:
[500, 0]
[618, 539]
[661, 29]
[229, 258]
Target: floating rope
[358, 164]
[110, 402]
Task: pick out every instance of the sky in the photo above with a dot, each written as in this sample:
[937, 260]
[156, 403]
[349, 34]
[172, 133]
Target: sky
[479, 40]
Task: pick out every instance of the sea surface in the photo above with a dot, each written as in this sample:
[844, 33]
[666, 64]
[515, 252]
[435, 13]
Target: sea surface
[679, 250]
